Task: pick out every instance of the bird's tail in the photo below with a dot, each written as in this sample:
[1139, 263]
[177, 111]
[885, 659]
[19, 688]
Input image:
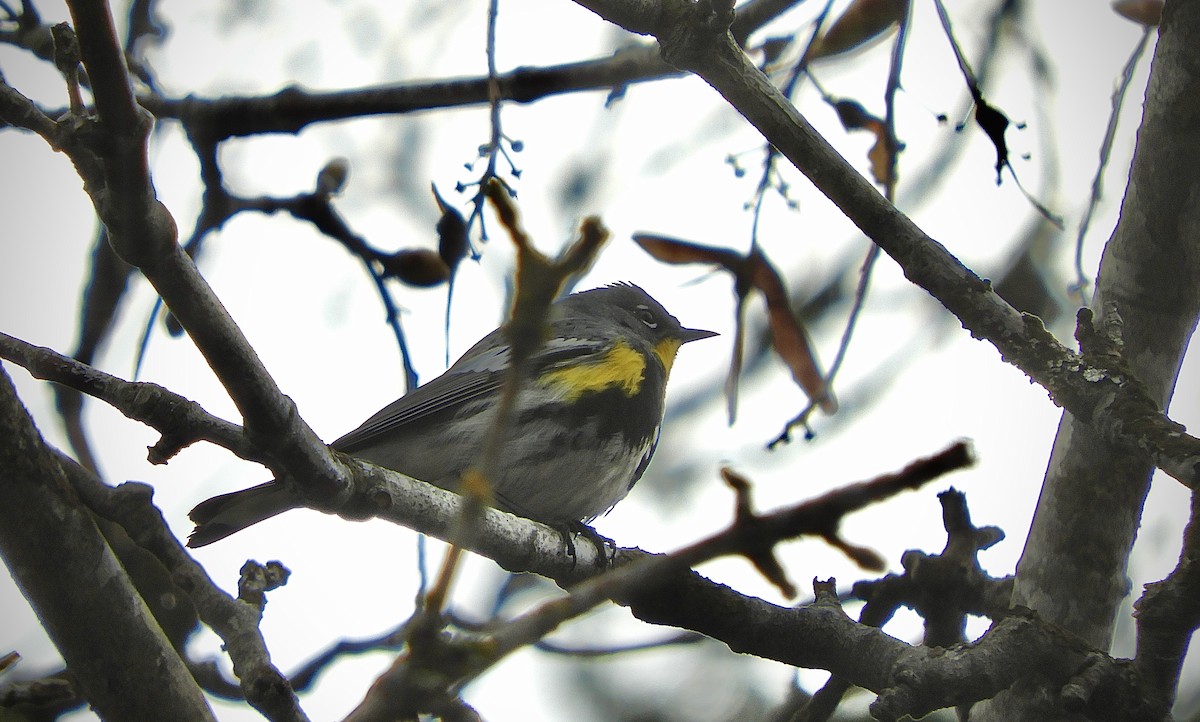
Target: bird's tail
[220, 516]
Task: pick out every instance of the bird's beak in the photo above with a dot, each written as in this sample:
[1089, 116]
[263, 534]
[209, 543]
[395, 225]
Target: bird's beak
[687, 335]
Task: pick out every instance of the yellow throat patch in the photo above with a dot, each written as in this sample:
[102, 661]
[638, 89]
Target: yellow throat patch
[621, 367]
[665, 350]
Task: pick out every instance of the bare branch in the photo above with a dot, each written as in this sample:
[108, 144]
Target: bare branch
[181, 421]
[426, 678]
[1167, 614]
[21, 112]
[930, 678]
[693, 38]
[143, 233]
[235, 621]
[84, 598]
[292, 109]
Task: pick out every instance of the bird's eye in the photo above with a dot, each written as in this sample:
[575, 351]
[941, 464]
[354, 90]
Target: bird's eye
[646, 316]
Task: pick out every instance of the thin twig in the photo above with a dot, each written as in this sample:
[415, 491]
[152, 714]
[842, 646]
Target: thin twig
[1110, 134]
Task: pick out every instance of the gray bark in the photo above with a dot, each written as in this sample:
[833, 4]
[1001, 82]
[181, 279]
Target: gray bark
[122, 661]
[1073, 569]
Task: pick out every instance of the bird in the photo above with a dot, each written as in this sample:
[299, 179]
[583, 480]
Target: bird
[584, 427]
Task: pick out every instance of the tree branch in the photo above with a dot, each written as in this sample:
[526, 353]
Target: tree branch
[694, 37]
[124, 664]
[143, 233]
[235, 621]
[293, 108]
[1167, 614]
[930, 678]
[818, 636]
[21, 112]
[426, 678]
[1073, 568]
[181, 421]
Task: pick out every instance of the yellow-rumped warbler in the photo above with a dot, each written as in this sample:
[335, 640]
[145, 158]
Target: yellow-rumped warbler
[584, 428]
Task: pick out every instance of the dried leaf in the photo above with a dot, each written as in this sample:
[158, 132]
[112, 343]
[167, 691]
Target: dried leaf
[862, 22]
[675, 251]
[791, 339]
[855, 117]
[1145, 12]
[753, 271]
[882, 158]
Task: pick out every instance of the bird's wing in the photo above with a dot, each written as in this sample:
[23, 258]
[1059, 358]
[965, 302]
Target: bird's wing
[478, 374]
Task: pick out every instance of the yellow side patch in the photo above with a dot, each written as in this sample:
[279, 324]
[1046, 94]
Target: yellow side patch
[665, 350]
[621, 367]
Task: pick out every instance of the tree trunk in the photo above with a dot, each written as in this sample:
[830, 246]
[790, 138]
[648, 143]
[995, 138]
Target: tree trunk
[1073, 569]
